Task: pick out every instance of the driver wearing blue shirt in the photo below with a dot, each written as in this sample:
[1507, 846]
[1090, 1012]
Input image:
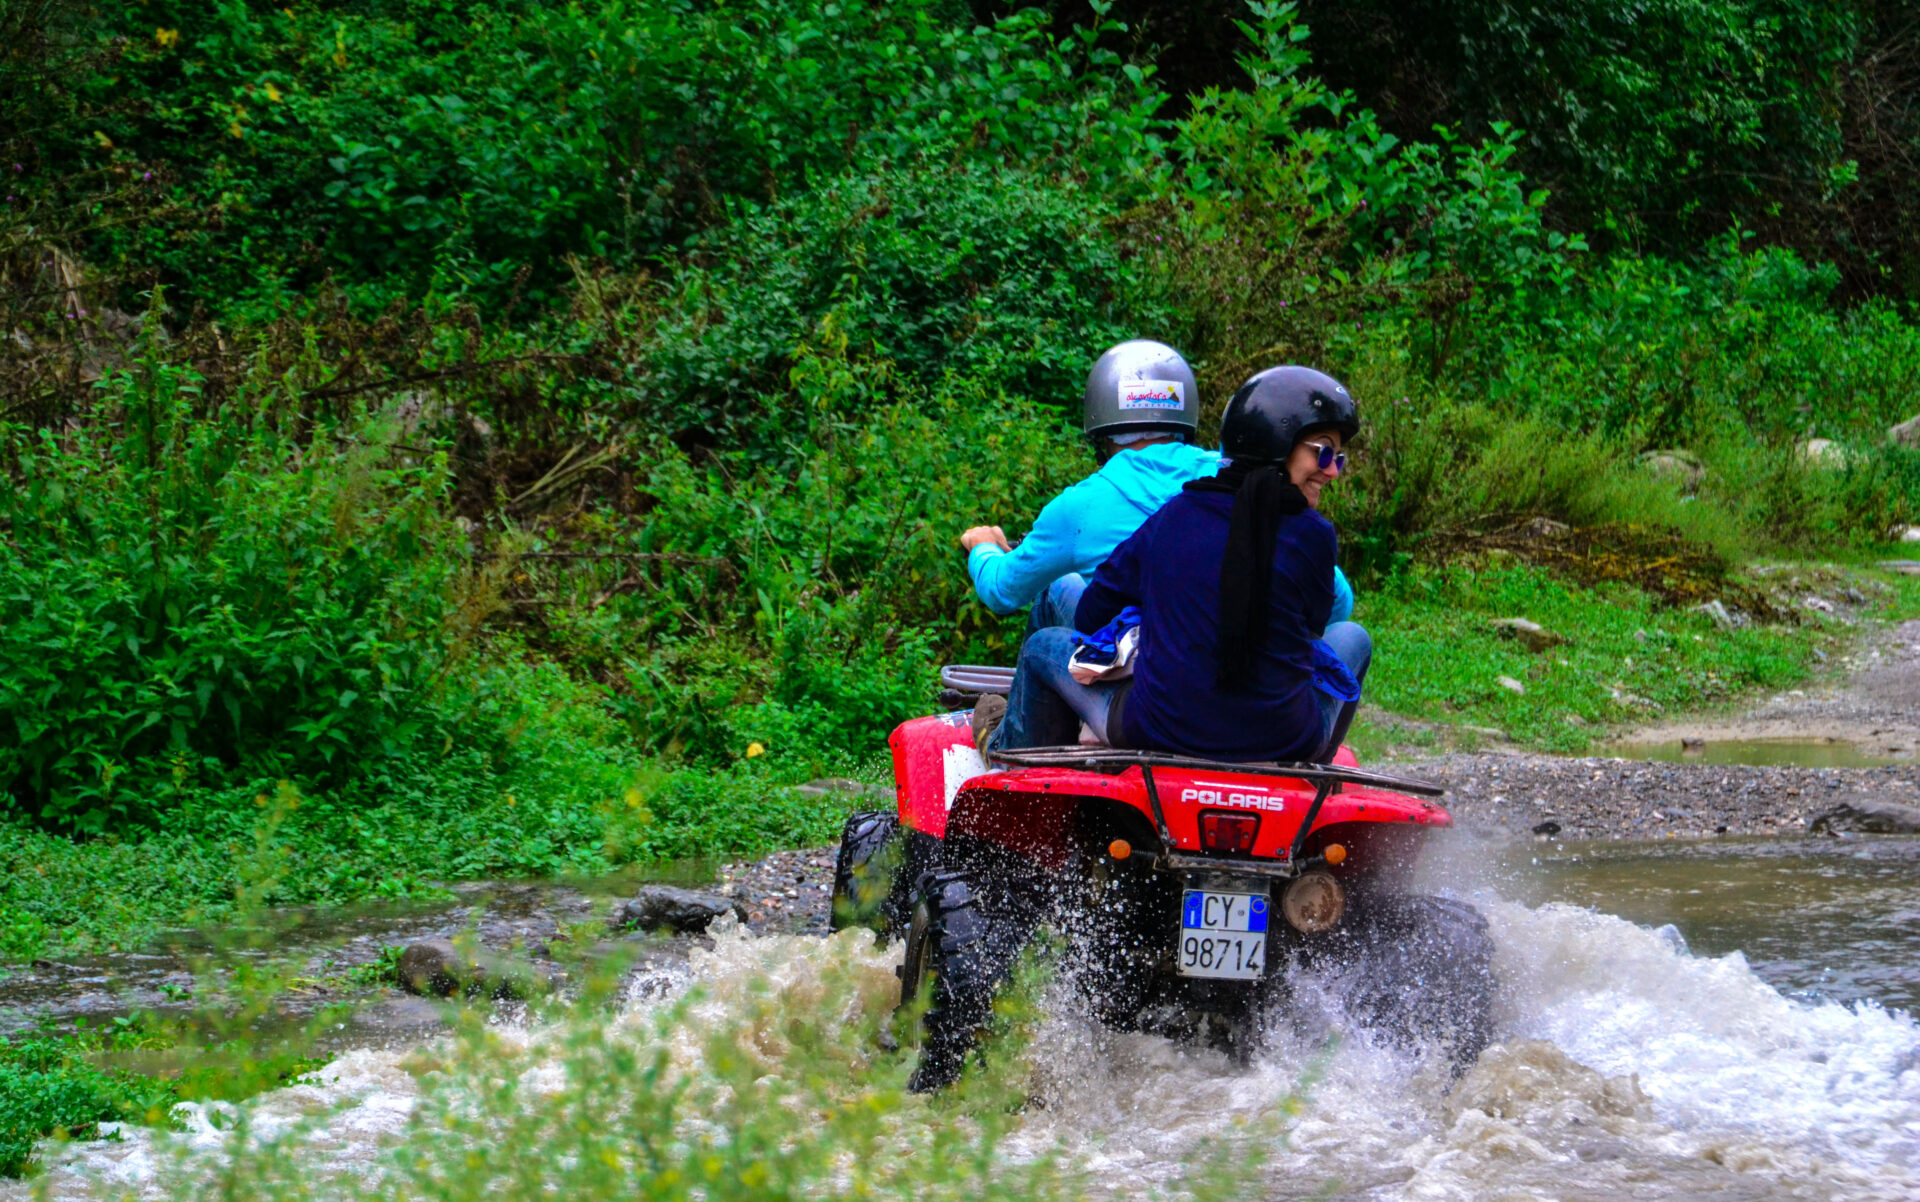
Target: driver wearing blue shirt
[1142, 407]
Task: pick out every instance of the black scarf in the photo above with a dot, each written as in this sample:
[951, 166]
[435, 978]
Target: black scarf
[1262, 496]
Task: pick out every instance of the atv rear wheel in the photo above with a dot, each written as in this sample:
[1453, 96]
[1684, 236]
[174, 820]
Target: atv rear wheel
[964, 936]
[865, 874]
[1116, 921]
[1425, 972]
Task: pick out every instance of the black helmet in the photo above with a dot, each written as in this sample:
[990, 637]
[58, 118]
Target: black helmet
[1268, 413]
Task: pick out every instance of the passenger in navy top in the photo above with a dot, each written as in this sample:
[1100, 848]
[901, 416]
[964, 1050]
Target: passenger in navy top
[1234, 578]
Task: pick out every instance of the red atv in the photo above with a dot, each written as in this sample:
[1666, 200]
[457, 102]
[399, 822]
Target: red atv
[1181, 888]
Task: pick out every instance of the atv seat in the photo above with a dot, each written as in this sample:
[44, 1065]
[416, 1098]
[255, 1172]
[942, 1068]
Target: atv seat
[961, 685]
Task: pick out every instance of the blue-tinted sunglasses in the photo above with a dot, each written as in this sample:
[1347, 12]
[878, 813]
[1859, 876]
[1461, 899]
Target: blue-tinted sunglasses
[1329, 458]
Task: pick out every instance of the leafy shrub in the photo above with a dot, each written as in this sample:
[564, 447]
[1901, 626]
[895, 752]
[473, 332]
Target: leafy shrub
[36, 1104]
[47, 1087]
[179, 596]
[1666, 352]
[450, 145]
[1001, 276]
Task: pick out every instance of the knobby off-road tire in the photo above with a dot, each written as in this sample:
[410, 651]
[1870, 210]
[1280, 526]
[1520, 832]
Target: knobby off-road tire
[965, 934]
[1116, 922]
[866, 875]
[1424, 972]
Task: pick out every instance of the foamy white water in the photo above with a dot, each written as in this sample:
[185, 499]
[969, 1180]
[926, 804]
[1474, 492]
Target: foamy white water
[1623, 1067]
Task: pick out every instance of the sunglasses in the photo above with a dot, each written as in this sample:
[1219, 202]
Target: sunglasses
[1329, 458]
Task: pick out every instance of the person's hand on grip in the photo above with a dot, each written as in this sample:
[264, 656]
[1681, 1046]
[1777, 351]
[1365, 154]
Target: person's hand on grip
[985, 534]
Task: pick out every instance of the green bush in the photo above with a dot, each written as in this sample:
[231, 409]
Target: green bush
[450, 145]
[1666, 353]
[180, 595]
[47, 1087]
[1000, 276]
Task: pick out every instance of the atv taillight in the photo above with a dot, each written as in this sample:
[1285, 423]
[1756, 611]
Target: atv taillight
[1221, 830]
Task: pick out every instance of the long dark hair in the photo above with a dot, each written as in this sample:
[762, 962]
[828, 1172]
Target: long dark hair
[1263, 495]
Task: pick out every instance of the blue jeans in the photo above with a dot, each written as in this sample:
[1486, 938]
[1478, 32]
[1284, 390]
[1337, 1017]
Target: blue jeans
[1047, 705]
[1055, 605]
[1351, 642]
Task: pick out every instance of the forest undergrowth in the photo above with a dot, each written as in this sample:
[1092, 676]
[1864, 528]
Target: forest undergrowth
[505, 439]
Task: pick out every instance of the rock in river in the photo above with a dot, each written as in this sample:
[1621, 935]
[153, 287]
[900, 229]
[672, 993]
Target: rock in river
[682, 909]
[438, 967]
[1870, 817]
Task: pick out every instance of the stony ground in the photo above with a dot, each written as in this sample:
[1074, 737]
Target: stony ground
[1870, 701]
[1595, 798]
[786, 891]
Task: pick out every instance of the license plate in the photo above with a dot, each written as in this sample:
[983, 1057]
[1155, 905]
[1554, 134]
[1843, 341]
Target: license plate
[1223, 935]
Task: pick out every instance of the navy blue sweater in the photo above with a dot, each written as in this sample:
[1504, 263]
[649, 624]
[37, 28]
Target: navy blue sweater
[1170, 568]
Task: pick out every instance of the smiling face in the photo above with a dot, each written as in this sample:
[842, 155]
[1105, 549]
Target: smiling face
[1303, 466]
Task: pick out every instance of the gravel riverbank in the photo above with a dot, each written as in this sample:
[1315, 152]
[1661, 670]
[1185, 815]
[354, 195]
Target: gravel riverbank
[1600, 798]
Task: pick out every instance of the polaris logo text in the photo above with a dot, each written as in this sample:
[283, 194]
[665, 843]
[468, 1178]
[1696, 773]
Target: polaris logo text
[1244, 801]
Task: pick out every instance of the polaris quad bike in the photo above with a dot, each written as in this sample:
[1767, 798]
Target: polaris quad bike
[1181, 888]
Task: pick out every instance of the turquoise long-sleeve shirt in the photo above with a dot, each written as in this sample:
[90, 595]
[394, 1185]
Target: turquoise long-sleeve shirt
[1079, 529]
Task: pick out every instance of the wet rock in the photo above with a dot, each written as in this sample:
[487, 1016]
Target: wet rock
[1532, 635]
[1681, 467]
[1549, 827]
[436, 966]
[657, 906]
[1869, 817]
[439, 968]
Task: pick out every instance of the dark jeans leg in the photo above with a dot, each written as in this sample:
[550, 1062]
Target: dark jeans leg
[1046, 704]
[1351, 642]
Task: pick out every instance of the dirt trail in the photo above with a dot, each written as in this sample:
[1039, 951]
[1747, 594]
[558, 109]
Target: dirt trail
[1870, 701]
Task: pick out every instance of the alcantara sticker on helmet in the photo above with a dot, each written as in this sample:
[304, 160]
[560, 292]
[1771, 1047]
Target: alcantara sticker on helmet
[1151, 394]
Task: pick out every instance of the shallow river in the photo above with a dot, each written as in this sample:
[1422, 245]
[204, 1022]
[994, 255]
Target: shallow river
[1758, 1047]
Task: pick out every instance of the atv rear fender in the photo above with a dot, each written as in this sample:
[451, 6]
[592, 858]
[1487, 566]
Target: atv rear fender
[944, 787]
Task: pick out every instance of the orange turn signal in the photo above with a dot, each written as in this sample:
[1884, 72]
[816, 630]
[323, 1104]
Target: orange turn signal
[1334, 853]
[1119, 849]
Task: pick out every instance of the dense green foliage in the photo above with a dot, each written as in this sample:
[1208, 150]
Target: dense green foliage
[491, 419]
[49, 1084]
[1656, 124]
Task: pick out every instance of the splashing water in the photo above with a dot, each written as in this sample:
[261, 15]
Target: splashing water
[1623, 1067]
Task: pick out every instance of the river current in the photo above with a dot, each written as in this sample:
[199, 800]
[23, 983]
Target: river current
[1625, 1064]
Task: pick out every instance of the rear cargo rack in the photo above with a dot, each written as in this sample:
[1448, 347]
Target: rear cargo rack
[1325, 777]
[1113, 760]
